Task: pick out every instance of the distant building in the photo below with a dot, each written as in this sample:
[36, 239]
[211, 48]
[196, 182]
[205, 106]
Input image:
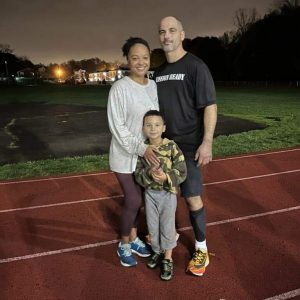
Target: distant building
[111, 76]
[107, 76]
[27, 72]
[80, 76]
[25, 76]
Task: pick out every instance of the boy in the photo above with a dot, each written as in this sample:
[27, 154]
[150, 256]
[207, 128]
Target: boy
[160, 182]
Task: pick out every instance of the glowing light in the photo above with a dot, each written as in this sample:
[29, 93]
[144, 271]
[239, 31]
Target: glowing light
[59, 72]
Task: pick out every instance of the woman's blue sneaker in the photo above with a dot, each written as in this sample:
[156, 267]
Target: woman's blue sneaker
[140, 248]
[125, 254]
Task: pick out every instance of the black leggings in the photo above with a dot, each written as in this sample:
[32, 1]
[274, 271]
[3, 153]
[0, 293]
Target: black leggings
[132, 202]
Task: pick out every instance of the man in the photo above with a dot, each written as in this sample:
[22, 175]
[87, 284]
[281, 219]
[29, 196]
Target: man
[187, 100]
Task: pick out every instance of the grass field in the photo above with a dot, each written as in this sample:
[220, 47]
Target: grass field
[55, 94]
[277, 107]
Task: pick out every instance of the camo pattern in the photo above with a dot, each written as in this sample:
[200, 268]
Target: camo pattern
[173, 164]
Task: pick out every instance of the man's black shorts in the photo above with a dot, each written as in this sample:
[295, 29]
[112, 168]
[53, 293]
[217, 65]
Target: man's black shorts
[193, 185]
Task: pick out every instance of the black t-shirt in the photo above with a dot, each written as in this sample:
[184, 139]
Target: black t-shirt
[185, 88]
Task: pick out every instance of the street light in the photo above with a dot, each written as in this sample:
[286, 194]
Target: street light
[6, 69]
[59, 73]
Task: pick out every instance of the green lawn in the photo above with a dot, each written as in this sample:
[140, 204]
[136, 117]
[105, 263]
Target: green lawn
[277, 107]
[55, 94]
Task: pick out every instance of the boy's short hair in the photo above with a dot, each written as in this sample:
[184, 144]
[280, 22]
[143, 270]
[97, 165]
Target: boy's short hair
[151, 113]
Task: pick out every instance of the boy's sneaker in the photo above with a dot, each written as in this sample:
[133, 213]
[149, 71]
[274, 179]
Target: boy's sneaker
[125, 254]
[198, 263]
[166, 272]
[154, 260]
[139, 247]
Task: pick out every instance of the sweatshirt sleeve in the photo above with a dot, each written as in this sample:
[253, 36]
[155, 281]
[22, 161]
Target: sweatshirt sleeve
[156, 97]
[116, 113]
[142, 175]
[177, 174]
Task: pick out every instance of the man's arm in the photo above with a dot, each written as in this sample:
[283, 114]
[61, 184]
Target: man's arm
[204, 152]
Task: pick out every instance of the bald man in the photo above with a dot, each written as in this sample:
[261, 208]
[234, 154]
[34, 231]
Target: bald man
[187, 100]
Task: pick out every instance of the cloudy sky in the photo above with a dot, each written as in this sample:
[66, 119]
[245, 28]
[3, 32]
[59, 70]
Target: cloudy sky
[59, 30]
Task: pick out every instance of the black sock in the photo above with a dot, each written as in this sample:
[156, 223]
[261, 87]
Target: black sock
[198, 220]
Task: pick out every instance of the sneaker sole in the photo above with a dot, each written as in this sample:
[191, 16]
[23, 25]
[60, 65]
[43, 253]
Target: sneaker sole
[140, 254]
[124, 264]
[166, 278]
[152, 266]
[198, 274]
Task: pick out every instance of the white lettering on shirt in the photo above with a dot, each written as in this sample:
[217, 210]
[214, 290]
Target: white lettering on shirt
[170, 77]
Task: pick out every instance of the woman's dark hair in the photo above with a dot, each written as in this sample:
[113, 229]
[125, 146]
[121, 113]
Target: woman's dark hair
[131, 42]
[151, 113]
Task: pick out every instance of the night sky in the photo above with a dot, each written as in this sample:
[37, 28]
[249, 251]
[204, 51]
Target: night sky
[59, 30]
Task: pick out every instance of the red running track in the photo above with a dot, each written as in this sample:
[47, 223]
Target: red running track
[59, 235]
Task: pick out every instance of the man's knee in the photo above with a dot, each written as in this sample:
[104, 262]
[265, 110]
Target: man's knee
[194, 203]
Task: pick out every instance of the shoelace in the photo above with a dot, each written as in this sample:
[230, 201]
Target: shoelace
[199, 257]
[155, 257]
[139, 243]
[127, 251]
[167, 267]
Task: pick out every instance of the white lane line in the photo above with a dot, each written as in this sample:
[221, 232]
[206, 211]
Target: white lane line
[95, 245]
[287, 295]
[30, 256]
[252, 177]
[105, 173]
[246, 217]
[255, 155]
[118, 196]
[55, 178]
[59, 204]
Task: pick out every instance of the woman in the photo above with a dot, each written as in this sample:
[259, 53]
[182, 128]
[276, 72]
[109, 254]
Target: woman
[129, 99]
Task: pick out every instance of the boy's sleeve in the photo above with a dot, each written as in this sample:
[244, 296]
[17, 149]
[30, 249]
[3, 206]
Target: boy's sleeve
[141, 174]
[178, 173]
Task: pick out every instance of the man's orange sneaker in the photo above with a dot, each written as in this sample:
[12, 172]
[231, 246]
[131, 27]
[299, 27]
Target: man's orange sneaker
[198, 263]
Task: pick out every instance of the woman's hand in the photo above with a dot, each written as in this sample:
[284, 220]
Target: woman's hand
[150, 156]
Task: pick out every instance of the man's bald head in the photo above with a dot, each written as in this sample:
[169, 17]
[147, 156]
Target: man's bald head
[172, 20]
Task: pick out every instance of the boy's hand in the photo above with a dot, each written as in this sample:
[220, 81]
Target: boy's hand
[158, 175]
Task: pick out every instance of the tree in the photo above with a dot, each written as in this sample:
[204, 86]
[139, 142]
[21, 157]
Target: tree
[11, 64]
[243, 19]
[5, 48]
[227, 38]
[211, 51]
[101, 66]
[281, 5]
[269, 49]
[157, 58]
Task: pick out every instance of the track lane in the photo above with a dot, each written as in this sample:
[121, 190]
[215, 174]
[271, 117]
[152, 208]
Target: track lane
[63, 189]
[52, 228]
[240, 268]
[253, 258]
